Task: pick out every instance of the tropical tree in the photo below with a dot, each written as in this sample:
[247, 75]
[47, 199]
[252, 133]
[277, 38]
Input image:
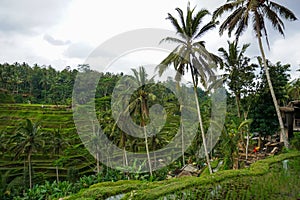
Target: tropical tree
[58, 144]
[258, 11]
[262, 110]
[27, 139]
[239, 74]
[140, 104]
[191, 54]
[95, 141]
[293, 89]
[231, 139]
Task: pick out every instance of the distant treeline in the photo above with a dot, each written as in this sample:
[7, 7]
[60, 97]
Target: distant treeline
[22, 83]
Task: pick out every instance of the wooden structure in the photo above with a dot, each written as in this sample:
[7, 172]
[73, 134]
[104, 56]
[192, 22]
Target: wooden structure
[291, 117]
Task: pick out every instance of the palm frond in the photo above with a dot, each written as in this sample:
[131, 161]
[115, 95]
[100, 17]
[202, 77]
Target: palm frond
[227, 22]
[276, 22]
[175, 23]
[172, 39]
[180, 12]
[209, 26]
[236, 18]
[243, 50]
[198, 19]
[225, 8]
[136, 75]
[283, 11]
[245, 122]
[162, 67]
[188, 22]
[243, 24]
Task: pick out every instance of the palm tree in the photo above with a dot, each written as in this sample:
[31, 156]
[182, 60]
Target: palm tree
[95, 141]
[136, 109]
[27, 139]
[140, 104]
[191, 54]
[239, 73]
[258, 11]
[58, 144]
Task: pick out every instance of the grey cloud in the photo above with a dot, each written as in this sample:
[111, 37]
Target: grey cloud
[55, 42]
[78, 50]
[30, 16]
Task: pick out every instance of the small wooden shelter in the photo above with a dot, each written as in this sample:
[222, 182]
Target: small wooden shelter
[291, 117]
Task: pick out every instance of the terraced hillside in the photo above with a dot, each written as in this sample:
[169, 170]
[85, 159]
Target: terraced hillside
[51, 118]
[74, 161]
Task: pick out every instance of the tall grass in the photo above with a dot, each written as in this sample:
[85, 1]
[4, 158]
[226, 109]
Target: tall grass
[279, 183]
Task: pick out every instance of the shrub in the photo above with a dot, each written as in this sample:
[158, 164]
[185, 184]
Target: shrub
[295, 142]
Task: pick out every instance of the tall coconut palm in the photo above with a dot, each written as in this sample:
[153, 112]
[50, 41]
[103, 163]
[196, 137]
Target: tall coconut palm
[191, 54]
[27, 139]
[239, 73]
[141, 104]
[137, 108]
[256, 12]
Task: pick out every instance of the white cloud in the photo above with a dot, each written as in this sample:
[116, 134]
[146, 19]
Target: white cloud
[78, 50]
[55, 42]
[288, 52]
[30, 16]
[25, 26]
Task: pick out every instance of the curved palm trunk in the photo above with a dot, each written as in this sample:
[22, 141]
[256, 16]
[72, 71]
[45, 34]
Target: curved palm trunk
[202, 131]
[144, 112]
[182, 128]
[282, 132]
[200, 122]
[29, 170]
[147, 150]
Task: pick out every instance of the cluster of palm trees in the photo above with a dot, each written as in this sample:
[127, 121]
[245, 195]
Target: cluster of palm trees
[191, 54]
[29, 138]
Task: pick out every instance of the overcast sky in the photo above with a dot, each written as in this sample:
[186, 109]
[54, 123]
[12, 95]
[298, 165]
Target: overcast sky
[63, 33]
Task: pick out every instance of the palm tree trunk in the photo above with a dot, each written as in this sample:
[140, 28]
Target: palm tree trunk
[202, 131]
[97, 160]
[147, 150]
[282, 132]
[144, 113]
[125, 156]
[200, 121]
[29, 170]
[24, 181]
[57, 178]
[237, 98]
[247, 145]
[182, 141]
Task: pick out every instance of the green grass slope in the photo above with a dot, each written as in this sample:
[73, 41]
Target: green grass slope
[258, 181]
